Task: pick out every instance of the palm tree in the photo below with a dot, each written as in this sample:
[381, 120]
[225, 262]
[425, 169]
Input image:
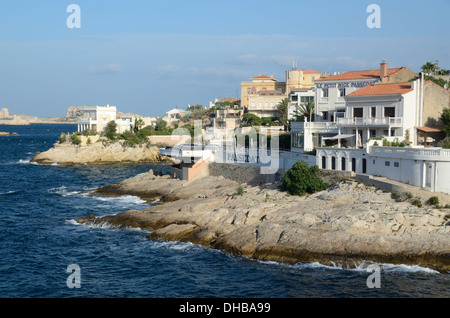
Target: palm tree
[138, 123]
[429, 67]
[305, 110]
[282, 112]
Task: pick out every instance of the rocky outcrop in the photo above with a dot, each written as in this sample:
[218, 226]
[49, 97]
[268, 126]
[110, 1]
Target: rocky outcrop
[98, 153]
[7, 134]
[347, 223]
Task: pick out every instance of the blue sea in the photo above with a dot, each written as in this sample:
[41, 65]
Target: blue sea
[39, 240]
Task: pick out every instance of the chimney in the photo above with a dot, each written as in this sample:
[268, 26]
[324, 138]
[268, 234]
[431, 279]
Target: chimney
[383, 70]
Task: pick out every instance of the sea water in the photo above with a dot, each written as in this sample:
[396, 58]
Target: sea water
[39, 240]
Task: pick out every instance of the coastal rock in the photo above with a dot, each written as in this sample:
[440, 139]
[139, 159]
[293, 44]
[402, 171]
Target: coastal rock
[268, 224]
[6, 134]
[98, 153]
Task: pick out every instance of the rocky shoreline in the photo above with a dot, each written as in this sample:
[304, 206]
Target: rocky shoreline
[99, 153]
[347, 224]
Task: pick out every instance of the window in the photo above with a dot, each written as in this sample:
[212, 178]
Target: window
[294, 98]
[341, 92]
[357, 112]
[396, 164]
[297, 140]
[373, 111]
[325, 93]
[249, 90]
[306, 99]
[373, 133]
[389, 112]
[325, 115]
[387, 163]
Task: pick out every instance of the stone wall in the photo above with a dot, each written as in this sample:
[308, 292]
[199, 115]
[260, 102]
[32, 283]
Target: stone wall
[250, 175]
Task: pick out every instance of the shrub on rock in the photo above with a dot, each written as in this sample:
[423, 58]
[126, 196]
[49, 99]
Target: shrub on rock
[302, 179]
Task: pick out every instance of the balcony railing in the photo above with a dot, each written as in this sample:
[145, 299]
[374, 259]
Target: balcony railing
[360, 121]
[419, 152]
[314, 125]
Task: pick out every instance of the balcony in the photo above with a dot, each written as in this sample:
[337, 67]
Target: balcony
[317, 126]
[361, 121]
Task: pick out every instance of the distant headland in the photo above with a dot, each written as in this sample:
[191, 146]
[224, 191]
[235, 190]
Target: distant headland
[73, 115]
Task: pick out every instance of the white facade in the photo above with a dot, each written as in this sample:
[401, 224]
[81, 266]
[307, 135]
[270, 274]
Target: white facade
[330, 96]
[428, 168]
[299, 97]
[96, 118]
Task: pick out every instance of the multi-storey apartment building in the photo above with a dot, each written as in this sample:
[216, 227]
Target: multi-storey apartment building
[262, 95]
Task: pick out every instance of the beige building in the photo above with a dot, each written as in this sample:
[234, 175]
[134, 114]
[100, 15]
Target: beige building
[264, 103]
[227, 119]
[4, 113]
[218, 101]
[295, 79]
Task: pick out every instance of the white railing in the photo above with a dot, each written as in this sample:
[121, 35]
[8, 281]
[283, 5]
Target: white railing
[313, 125]
[388, 121]
[424, 152]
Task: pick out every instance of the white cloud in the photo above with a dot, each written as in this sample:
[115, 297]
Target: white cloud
[105, 69]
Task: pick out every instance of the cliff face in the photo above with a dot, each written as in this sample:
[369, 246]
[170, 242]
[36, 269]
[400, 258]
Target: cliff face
[98, 153]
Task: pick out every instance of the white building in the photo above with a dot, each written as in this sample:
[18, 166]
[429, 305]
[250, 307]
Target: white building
[331, 114]
[297, 97]
[95, 118]
[352, 125]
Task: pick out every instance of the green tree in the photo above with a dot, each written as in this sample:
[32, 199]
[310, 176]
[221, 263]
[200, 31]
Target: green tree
[305, 110]
[445, 117]
[161, 125]
[302, 179]
[195, 107]
[227, 104]
[249, 119]
[138, 124]
[282, 112]
[111, 130]
[75, 139]
[429, 67]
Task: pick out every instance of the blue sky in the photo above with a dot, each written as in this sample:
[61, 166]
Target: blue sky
[148, 57]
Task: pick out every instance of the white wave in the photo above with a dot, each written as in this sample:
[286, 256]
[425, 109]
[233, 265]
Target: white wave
[126, 199]
[174, 245]
[10, 192]
[62, 191]
[407, 268]
[364, 265]
[26, 162]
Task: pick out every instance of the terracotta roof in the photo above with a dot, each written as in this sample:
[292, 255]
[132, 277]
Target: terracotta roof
[383, 89]
[262, 77]
[430, 129]
[369, 74]
[309, 71]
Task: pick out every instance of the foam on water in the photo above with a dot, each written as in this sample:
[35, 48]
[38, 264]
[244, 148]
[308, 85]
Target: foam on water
[26, 162]
[364, 267]
[10, 192]
[62, 191]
